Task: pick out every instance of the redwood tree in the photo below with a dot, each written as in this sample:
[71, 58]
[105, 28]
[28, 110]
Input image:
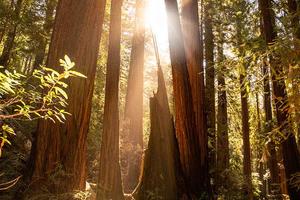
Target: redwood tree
[194, 59]
[185, 121]
[244, 84]
[290, 153]
[134, 99]
[109, 181]
[222, 142]
[62, 146]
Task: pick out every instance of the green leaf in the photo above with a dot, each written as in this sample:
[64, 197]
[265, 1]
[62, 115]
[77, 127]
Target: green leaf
[74, 73]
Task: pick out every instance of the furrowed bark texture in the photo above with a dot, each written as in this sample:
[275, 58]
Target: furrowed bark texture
[134, 99]
[62, 146]
[161, 176]
[185, 123]
[194, 60]
[109, 180]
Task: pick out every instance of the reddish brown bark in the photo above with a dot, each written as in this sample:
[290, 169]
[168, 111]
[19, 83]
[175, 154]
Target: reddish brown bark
[134, 100]
[62, 146]
[186, 129]
[290, 153]
[109, 180]
[245, 118]
[194, 60]
[161, 175]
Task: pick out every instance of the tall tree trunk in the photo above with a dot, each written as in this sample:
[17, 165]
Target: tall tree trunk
[186, 131]
[272, 158]
[244, 83]
[194, 60]
[246, 139]
[210, 83]
[10, 40]
[109, 180]
[161, 176]
[222, 148]
[134, 99]
[77, 32]
[43, 37]
[261, 163]
[290, 152]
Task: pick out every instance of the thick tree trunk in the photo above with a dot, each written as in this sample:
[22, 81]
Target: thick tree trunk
[290, 153]
[43, 38]
[109, 180]
[194, 60]
[186, 128]
[161, 176]
[62, 146]
[134, 100]
[10, 40]
[222, 148]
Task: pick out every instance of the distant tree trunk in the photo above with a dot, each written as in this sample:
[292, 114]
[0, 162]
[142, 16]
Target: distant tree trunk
[77, 32]
[261, 162]
[246, 139]
[43, 37]
[210, 83]
[161, 176]
[186, 131]
[10, 40]
[109, 180]
[272, 158]
[222, 148]
[194, 60]
[294, 7]
[290, 152]
[134, 99]
[244, 83]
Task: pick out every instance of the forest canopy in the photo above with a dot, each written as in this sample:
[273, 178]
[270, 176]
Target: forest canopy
[150, 99]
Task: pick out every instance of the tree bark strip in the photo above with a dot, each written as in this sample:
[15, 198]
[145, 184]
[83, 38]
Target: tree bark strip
[194, 60]
[161, 176]
[109, 181]
[134, 99]
[222, 142]
[186, 131]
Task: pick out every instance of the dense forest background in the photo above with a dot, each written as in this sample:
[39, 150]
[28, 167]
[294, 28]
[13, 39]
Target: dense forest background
[159, 99]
